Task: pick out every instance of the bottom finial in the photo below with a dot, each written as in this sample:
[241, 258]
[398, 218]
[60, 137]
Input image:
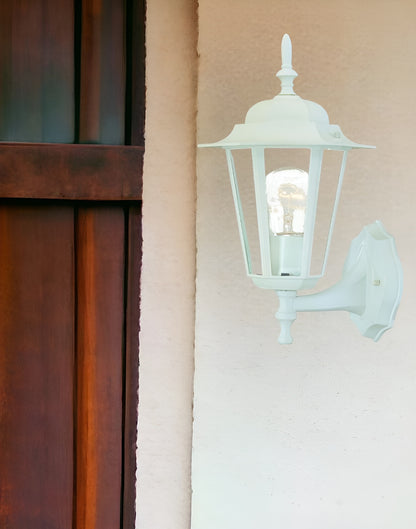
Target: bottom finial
[286, 314]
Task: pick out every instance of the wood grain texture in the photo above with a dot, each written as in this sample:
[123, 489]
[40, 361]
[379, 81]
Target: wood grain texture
[100, 361]
[37, 71]
[102, 77]
[135, 57]
[83, 172]
[58, 106]
[36, 367]
[134, 256]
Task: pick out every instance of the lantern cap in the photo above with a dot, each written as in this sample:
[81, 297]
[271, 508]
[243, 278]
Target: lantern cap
[287, 120]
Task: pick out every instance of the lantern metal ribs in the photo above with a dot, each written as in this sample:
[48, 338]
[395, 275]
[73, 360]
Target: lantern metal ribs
[286, 207]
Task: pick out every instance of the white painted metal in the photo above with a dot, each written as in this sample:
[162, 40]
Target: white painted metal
[286, 314]
[384, 280]
[287, 74]
[286, 254]
[370, 288]
[287, 120]
[284, 282]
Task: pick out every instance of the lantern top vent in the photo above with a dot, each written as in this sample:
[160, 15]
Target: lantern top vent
[287, 120]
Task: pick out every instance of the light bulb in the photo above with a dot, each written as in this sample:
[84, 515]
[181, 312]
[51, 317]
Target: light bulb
[286, 191]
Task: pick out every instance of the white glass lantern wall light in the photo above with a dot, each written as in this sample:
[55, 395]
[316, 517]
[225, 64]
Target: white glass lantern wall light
[286, 207]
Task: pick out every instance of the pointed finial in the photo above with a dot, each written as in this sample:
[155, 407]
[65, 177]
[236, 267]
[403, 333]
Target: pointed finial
[287, 74]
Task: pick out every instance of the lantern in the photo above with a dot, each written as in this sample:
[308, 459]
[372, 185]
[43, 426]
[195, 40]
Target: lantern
[286, 199]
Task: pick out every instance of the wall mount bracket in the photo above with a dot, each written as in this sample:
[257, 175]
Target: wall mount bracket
[370, 288]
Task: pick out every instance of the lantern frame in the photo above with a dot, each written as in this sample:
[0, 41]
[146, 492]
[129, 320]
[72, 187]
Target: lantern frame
[289, 122]
[267, 279]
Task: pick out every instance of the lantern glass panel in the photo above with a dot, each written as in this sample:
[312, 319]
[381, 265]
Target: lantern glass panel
[244, 179]
[286, 191]
[287, 181]
[291, 167]
[329, 180]
[275, 197]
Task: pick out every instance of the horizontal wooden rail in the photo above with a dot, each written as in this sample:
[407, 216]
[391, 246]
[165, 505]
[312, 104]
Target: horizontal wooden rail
[67, 171]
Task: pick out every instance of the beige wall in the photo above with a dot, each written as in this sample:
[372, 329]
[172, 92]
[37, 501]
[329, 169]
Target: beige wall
[319, 434]
[168, 276]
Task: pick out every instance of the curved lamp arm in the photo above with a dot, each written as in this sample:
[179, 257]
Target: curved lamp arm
[370, 288]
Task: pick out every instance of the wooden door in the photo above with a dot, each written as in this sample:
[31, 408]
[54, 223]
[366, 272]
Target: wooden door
[71, 122]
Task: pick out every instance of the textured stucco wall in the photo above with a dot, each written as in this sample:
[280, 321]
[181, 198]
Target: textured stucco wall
[320, 434]
[168, 275]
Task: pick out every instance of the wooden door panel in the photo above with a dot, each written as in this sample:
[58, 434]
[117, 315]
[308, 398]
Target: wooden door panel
[135, 71]
[71, 73]
[64, 172]
[36, 367]
[37, 70]
[103, 72]
[69, 302]
[100, 360]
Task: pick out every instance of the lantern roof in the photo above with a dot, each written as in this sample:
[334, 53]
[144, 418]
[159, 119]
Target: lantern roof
[287, 120]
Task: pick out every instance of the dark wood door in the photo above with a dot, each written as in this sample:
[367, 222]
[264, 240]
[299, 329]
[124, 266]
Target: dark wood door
[71, 122]
[69, 295]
